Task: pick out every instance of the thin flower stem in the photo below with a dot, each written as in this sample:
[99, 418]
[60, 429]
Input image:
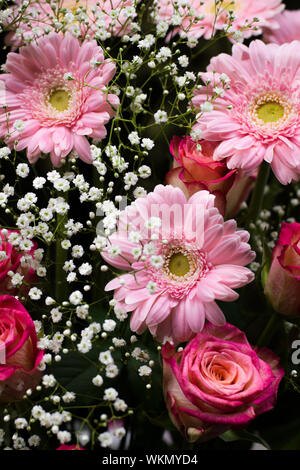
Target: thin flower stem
[268, 330]
[258, 193]
[60, 258]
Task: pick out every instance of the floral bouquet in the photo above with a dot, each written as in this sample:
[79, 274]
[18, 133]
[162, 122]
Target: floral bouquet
[149, 225]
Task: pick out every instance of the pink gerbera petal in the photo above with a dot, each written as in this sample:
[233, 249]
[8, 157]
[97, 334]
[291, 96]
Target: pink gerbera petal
[179, 273]
[56, 112]
[258, 115]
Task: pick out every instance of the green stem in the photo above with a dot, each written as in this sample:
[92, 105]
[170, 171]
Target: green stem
[268, 330]
[60, 258]
[258, 193]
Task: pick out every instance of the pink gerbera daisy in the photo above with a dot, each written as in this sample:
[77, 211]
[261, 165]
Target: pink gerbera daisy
[289, 28]
[111, 16]
[205, 18]
[258, 118]
[47, 112]
[191, 258]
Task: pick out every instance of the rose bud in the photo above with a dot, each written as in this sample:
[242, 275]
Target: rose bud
[194, 170]
[218, 382]
[283, 281]
[239, 192]
[19, 355]
[11, 260]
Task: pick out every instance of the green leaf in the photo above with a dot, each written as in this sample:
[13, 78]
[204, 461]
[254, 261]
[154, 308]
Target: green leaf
[161, 420]
[75, 373]
[243, 435]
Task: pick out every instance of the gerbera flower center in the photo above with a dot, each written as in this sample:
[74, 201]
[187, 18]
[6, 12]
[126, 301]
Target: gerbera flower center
[228, 5]
[74, 5]
[179, 264]
[270, 112]
[59, 99]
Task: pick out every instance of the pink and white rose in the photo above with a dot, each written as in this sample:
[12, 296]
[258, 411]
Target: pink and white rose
[20, 356]
[194, 170]
[11, 260]
[218, 382]
[283, 281]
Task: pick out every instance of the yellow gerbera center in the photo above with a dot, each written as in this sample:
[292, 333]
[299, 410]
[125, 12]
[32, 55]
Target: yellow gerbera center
[179, 265]
[228, 5]
[59, 100]
[270, 112]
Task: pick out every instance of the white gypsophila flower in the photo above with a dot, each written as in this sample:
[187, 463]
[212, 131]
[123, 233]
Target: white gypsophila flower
[144, 371]
[19, 125]
[121, 314]
[109, 325]
[106, 358]
[38, 325]
[120, 405]
[71, 277]
[147, 143]
[119, 343]
[48, 380]
[105, 439]
[114, 250]
[183, 61]
[119, 432]
[111, 371]
[82, 311]
[21, 423]
[159, 117]
[152, 287]
[17, 279]
[144, 171]
[22, 170]
[5, 152]
[77, 251]
[64, 436]
[68, 397]
[139, 192]
[84, 346]
[69, 265]
[49, 301]
[110, 394]
[46, 214]
[65, 244]
[85, 269]
[140, 355]
[207, 107]
[19, 443]
[34, 440]
[97, 381]
[163, 54]
[76, 297]
[35, 293]
[56, 315]
[134, 138]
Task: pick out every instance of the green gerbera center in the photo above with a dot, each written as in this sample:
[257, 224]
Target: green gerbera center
[59, 100]
[270, 112]
[179, 265]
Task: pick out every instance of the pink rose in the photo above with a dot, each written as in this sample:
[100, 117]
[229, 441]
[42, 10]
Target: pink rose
[218, 382]
[12, 262]
[20, 355]
[194, 170]
[72, 447]
[283, 281]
